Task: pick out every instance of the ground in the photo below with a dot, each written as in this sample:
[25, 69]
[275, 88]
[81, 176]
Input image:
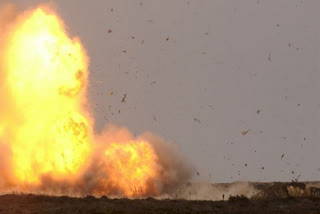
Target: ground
[33, 204]
[286, 198]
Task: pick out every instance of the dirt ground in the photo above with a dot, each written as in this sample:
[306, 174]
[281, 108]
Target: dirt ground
[33, 204]
[240, 197]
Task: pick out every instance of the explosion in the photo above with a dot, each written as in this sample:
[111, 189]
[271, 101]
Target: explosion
[46, 74]
[128, 169]
[46, 131]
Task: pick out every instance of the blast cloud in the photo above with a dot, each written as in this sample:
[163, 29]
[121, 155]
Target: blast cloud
[171, 168]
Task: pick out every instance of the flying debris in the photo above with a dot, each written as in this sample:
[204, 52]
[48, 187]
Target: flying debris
[258, 112]
[155, 119]
[282, 156]
[124, 98]
[297, 179]
[245, 132]
[196, 120]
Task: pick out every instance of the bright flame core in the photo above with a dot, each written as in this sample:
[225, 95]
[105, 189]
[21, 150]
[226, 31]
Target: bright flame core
[46, 75]
[44, 123]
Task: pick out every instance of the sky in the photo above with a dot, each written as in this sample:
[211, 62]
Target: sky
[234, 84]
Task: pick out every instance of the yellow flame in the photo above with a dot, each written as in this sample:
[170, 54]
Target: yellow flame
[46, 74]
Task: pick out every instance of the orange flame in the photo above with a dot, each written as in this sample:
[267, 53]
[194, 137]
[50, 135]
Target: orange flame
[44, 122]
[130, 166]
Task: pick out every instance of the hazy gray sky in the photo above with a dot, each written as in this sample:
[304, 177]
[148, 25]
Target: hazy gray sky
[197, 71]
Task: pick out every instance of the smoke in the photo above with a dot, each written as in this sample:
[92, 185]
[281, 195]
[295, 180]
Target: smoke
[47, 143]
[214, 192]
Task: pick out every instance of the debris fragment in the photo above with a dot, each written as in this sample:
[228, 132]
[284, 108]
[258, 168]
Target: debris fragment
[155, 119]
[282, 156]
[111, 92]
[196, 120]
[167, 39]
[109, 31]
[124, 98]
[258, 112]
[245, 132]
[269, 57]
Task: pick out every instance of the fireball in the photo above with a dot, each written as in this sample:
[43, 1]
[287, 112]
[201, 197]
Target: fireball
[46, 76]
[44, 122]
